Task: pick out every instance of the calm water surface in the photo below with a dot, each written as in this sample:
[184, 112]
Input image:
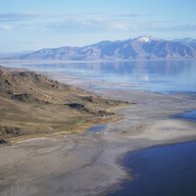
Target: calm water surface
[161, 171]
[157, 76]
[97, 128]
[188, 115]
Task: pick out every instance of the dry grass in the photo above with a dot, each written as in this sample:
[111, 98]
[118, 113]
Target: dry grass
[37, 106]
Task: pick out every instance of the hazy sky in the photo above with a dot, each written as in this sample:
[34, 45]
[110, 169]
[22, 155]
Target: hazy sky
[34, 24]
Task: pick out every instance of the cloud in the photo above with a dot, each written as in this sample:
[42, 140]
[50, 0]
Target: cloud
[129, 15]
[69, 22]
[5, 27]
[22, 21]
[167, 26]
[183, 27]
[14, 17]
[119, 25]
[89, 23]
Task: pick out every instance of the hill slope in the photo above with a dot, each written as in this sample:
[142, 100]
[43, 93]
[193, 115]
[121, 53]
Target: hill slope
[33, 105]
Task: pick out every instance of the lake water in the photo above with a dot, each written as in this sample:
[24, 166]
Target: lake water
[188, 115]
[161, 171]
[97, 128]
[157, 76]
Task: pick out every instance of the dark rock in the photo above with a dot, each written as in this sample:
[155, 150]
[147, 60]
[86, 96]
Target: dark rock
[25, 97]
[88, 98]
[2, 141]
[103, 113]
[77, 106]
[110, 102]
[22, 97]
[10, 92]
[4, 131]
[55, 85]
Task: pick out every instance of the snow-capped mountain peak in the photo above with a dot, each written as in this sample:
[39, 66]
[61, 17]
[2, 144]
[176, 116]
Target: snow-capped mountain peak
[144, 38]
[143, 47]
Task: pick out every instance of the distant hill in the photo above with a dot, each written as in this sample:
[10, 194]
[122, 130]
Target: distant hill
[144, 47]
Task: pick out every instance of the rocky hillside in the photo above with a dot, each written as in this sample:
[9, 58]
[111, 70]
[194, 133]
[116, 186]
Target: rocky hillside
[32, 105]
[144, 47]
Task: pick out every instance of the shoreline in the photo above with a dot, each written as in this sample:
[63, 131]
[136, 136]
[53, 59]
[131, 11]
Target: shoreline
[40, 61]
[88, 164]
[131, 160]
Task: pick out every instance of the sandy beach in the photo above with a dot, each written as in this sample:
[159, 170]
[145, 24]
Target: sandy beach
[87, 164]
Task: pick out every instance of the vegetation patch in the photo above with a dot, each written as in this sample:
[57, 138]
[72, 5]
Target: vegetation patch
[31, 104]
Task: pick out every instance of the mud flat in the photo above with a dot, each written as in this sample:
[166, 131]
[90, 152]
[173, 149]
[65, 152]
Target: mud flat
[87, 164]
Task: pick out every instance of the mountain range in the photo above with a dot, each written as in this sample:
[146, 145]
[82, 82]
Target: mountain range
[144, 47]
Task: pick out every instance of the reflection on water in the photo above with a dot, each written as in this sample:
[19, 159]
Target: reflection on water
[158, 76]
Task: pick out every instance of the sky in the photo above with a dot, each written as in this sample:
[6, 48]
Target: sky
[27, 25]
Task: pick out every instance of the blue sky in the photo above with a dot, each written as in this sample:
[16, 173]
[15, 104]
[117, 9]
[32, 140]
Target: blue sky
[33, 24]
